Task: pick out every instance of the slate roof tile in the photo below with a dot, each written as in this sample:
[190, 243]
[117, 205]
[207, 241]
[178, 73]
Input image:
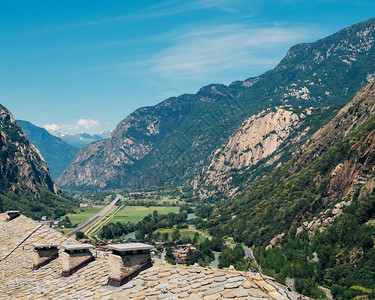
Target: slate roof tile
[162, 281]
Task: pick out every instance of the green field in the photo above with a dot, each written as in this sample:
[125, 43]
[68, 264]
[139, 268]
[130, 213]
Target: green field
[158, 200]
[134, 214]
[84, 215]
[184, 232]
[170, 230]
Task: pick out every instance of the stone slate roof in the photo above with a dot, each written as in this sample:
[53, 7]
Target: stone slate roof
[162, 281]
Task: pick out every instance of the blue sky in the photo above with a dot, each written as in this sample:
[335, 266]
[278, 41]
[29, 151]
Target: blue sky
[85, 65]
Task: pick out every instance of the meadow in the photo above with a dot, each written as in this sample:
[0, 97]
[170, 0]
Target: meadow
[134, 214]
[82, 214]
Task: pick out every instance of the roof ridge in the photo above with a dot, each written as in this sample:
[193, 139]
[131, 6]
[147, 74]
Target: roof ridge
[24, 240]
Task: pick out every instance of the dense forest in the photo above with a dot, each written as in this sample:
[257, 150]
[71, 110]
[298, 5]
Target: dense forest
[145, 228]
[342, 256]
[44, 204]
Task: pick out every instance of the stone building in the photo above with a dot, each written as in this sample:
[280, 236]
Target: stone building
[37, 262]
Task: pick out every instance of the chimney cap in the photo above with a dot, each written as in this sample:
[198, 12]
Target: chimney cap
[40, 246]
[12, 214]
[130, 247]
[78, 247]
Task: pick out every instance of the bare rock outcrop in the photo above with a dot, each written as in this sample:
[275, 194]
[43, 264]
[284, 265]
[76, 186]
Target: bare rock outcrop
[21, 164]
[256, 139]
[350, 117]
[106, 162]
[171, 142]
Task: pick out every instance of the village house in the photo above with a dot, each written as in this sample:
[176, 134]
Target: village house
[39, 262]
[181, 253]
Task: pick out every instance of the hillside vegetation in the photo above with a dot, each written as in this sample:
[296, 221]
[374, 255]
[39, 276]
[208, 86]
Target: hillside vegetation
[169, 143]
[25, 183]
[315, 219]
[57, 153]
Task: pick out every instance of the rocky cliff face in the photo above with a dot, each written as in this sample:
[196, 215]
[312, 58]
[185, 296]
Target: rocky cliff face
[317, 208]
[348, 177]
[354, 174]
[333, 168]
[25, 183]
[263, 139]
[109, 162]
[255, 140]
[170, 143]
[21, 163]
[350, 117]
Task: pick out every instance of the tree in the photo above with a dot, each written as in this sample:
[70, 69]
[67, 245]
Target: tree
[169, 256]
[226, 258]
[235, 257]
[165, 236]
[204, 210]
[66, 222]
[80, 235]
[176, 235]
[217, 244]
[195, 239]
[157, 235]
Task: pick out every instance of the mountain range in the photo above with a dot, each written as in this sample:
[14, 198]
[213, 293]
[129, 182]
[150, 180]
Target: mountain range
[287, 159]
[80, 140]
[173, 142]
[261, 143]
[57, 153]
[312, 218]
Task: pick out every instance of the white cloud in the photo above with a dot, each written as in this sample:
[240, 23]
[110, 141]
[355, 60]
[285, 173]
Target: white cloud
[72, 128]
[58, 128]
[169, 8]
[200, 52]
[88, 123]
[52, 127]
[166, 8]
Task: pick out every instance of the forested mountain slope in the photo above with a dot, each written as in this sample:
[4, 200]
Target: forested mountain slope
[261, 143]
[57, 153]
[169, 143]
[25, 183]
[316, 213]
[266, 140]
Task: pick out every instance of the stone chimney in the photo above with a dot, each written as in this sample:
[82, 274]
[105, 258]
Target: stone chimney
[12, 214]
[126, 261]
[75, 257]
[43, 254]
